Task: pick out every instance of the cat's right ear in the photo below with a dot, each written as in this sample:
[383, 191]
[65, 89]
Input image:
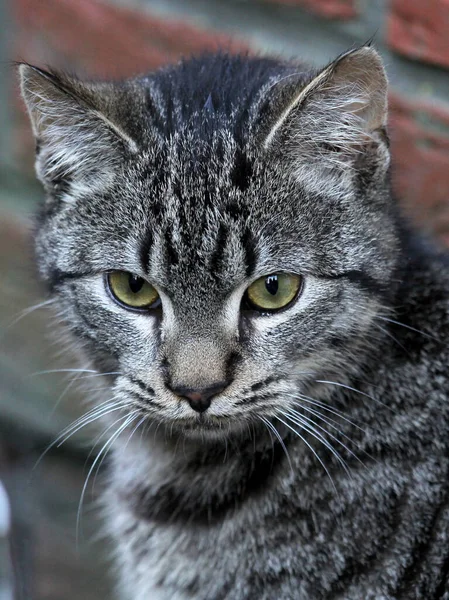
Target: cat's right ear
[79, 143]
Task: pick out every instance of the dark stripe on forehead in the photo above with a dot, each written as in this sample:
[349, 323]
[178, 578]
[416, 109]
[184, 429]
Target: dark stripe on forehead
[241, 173]
[145, 249]
[157, 209]
[170, 249]
[216, 261]
[249, 244]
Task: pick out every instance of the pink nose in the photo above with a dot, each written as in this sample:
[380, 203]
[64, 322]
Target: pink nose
[200, 399]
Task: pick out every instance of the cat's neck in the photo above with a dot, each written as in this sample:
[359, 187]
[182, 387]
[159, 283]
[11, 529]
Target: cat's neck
[171, 478]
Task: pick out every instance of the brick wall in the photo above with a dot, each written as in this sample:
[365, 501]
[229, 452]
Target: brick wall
[119, 38]
[338, 9]
[420, 30]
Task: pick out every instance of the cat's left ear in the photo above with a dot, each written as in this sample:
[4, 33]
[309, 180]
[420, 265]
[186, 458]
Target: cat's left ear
[325, 126]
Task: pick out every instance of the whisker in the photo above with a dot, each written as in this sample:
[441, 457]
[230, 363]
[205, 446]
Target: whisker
[329, 433]
[348, 387]
[136, 413]
[106, 445]
[96, 374]
[307, 426]
[272, 445]
[61, 371]
[409, 327]
[392, 337]
[63, 393]
[89, 417]
[329, 421]
[225, 452]
[317, 456]
[142, 420]
[98, 389]
[326, 407]
[105, 404]
[27, 311]
[101, 435]
[271, 427]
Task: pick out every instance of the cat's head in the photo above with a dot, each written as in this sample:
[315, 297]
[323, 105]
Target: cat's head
[219, 234]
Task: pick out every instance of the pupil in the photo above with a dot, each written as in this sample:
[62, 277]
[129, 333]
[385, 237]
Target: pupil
[272, 284]
[135, 283]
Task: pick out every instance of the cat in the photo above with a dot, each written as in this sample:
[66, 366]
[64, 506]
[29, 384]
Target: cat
[221, 240]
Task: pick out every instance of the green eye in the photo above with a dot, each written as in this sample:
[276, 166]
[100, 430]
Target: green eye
[273, 292]
[132, 291]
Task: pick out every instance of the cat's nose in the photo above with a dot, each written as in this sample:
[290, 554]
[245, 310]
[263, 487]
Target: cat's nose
[200, 399]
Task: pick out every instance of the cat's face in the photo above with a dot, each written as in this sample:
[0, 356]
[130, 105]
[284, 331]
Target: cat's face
[219, 279]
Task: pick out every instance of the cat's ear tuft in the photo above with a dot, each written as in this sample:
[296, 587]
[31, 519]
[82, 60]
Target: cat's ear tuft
[327, 123]
[79, 143]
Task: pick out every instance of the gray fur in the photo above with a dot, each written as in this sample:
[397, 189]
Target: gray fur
[202, 178]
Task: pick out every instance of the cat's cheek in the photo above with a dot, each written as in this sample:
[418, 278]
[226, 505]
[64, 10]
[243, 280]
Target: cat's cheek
[128, 336]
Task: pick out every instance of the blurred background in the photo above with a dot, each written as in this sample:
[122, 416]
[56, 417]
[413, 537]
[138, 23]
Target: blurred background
[119, 38]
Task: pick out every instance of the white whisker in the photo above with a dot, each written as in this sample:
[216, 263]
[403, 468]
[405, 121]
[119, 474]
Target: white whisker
[348, 387]
[325, 407]
[86, 419]
[63, 393]
[271, 427]
[91, 419]
[142, 420]
[96, 374]
[106, 446]
[409, 327]
[27, 311]
[62, 371]
[392, 337]
[317, 456]
[317, 415]
[306, 424]
[328, 420]
[104, 433]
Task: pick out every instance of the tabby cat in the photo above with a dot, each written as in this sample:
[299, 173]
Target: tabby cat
[221, 240]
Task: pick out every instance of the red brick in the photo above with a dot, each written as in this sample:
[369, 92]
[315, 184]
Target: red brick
[420, 150]
[103, 39]
[332, 9]
[419, 29]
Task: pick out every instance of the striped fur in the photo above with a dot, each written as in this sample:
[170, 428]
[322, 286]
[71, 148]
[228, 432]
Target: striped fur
[320, 471]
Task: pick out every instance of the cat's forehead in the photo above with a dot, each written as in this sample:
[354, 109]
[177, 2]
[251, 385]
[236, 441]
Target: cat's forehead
[212, 217]
[200, 219]
[200, 238]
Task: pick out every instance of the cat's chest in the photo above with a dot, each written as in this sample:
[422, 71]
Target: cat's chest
[182, 561]
[182, 558]
[283, 542]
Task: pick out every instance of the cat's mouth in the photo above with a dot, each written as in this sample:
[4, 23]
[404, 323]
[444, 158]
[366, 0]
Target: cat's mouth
[208, 424]
[203, 420]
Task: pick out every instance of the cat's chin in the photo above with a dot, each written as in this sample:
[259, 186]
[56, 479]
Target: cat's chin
[208, 427]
